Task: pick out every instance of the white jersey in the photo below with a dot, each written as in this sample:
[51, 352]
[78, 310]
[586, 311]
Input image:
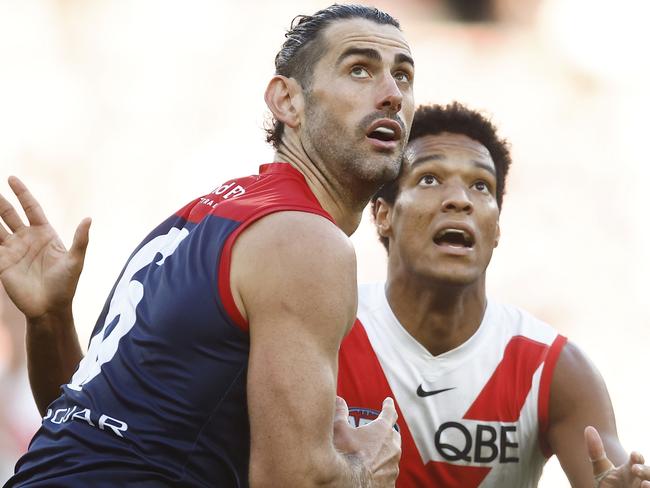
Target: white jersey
[474, 416]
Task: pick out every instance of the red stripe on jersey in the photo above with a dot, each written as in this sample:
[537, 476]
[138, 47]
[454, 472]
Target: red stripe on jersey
[503, 396]
[223, 274]
[360, 371]
[545, 392]
[453, 476]
[362, 383]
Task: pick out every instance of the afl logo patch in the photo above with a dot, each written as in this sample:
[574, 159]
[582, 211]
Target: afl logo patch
[361, 416]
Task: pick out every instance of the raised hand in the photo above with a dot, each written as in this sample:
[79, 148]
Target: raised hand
[38, 273]
[377, 443]
[633, 474]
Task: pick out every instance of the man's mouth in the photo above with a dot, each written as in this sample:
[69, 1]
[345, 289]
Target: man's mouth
[383, 134]
[385, 130]
[454, 237]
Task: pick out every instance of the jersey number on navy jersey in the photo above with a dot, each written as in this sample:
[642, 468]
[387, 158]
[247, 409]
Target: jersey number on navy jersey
[127, 296]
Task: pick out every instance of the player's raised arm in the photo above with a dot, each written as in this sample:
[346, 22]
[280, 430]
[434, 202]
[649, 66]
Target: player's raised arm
[293, 277]
[40, 276]
[593, 456]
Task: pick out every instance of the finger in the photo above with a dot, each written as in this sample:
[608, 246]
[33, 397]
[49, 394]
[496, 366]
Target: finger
[596, 450]
[341, 412]
[636, 458]
[388, 411]
[80, 241]
[641, 471]
[9, 215]
[32, 208]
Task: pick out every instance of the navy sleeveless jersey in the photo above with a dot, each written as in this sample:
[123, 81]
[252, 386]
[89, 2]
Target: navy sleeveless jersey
[160, 397]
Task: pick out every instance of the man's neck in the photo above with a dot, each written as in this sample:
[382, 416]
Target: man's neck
[440, 317]
[340, 199]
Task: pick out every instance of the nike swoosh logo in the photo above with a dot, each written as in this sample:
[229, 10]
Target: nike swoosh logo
[422, 393]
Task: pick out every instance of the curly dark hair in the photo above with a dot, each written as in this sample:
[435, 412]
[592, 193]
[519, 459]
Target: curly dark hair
[455, 118]
[303, 46]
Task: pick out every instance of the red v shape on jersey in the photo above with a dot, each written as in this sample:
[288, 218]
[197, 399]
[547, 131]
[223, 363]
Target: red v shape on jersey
[505, 393]
[501, 399]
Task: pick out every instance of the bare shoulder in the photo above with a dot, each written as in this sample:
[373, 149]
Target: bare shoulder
[291, 241]
[293, 257]
[572, 365]
[293, 230]
[576, 382]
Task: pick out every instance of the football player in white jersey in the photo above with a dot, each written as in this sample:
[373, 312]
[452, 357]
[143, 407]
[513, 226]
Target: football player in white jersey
[485, 391]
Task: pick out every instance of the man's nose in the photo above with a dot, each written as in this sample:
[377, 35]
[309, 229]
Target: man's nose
[391, 96]
[457, 200]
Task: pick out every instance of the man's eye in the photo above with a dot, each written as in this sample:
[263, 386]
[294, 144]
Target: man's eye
[359, 72]
[428, 180]
[482, 186]
[402, 77]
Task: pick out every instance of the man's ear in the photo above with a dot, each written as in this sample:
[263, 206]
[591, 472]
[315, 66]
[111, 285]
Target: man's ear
[497, 235]
[382, 213]
[285, 100]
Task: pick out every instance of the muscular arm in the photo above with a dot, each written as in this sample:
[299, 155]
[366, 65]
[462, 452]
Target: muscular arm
[579, 398]
[294, 279]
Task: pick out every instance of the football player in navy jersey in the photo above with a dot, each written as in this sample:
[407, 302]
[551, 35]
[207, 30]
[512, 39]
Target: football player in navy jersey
[214, 361]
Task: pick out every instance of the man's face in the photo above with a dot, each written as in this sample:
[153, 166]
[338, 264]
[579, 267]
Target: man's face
[359, 103]
[444, 223]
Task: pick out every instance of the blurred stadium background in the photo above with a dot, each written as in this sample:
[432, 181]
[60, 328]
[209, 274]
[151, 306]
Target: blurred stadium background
[124, 110]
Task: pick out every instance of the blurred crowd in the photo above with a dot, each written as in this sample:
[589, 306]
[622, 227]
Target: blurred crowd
[19, 418]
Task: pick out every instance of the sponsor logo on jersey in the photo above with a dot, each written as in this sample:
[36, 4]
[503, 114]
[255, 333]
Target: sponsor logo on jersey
[470, 442]
[477, 442]
[226, 191]
[424, 393]
[100, 421]
[230, 190]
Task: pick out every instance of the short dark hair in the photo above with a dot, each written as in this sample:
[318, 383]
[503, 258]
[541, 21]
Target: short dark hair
[455, 118]
[301, 50]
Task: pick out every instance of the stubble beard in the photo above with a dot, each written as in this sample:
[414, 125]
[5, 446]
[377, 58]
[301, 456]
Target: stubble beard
[347, 158]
